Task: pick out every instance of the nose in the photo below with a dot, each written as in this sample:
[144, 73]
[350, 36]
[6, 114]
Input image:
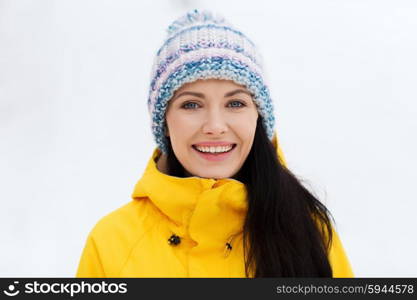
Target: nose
[215, 123]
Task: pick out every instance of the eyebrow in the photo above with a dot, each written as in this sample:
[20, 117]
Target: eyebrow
[201, 95]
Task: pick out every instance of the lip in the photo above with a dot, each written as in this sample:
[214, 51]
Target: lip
[216, 157]
[213, 144]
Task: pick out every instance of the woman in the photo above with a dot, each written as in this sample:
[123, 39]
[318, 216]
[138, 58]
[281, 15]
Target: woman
[216, 199]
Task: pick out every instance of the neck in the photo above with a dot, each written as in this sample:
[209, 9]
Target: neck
[161, 164]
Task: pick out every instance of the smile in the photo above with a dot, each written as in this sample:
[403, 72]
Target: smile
[217, 153]
[214, 149]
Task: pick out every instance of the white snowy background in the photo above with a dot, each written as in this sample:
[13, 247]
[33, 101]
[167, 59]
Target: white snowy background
[75, 132]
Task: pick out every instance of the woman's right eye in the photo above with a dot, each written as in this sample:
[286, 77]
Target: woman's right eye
[189, 105]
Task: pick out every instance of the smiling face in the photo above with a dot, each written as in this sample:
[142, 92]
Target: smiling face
[211, 124]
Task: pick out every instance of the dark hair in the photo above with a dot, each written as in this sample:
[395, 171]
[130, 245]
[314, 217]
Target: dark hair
[287, 231]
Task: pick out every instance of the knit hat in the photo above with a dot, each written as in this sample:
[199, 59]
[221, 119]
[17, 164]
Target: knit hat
[201, 45]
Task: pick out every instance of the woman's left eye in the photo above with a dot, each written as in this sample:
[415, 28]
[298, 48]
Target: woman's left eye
[236, 104]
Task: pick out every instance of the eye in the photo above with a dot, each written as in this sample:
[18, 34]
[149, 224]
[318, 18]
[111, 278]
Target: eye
[189, 105]
[236, 104]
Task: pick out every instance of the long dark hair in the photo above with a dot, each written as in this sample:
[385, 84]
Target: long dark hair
[287, 230]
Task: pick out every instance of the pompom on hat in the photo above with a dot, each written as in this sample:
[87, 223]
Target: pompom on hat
[201, 45]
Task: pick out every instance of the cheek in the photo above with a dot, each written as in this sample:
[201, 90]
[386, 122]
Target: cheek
[246, 127]
[181, 126]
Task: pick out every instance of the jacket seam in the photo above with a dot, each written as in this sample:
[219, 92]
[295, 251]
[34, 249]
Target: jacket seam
[99, 257]
[133, 247]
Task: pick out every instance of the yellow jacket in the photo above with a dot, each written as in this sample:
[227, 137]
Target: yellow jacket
[206, 214]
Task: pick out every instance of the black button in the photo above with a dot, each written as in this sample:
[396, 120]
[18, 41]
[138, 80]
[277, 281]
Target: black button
[229, 246]
[174, 240]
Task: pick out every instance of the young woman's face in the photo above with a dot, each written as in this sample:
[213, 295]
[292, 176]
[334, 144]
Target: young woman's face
[211, 124]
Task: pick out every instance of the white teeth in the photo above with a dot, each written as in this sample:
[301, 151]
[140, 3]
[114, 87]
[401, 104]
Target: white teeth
[218, 149]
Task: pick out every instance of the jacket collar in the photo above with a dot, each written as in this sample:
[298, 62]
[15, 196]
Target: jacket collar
[207, 209]
[174, 195]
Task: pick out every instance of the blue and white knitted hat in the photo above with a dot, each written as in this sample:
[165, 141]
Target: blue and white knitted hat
[201, 45]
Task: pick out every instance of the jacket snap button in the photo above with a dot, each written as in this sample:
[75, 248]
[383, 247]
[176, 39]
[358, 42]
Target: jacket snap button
[174, 240]
[228, 249]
